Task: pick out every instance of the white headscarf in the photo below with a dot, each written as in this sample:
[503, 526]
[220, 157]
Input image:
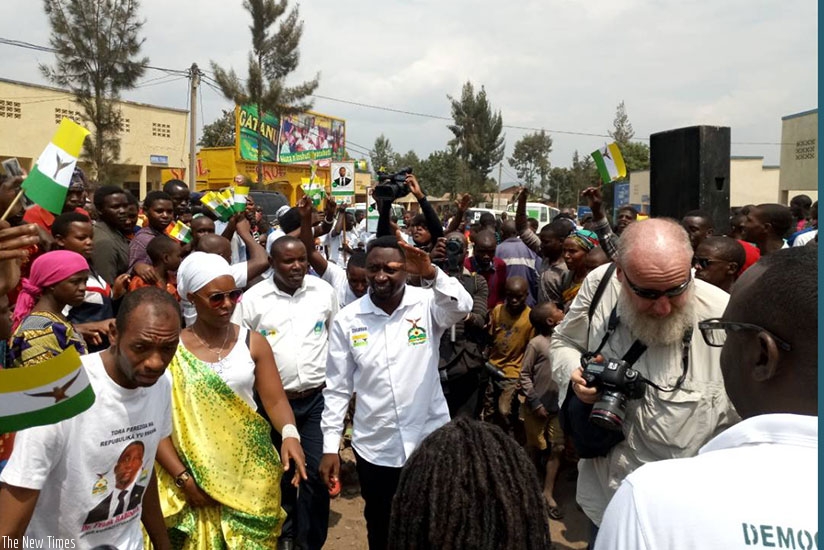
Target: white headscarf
[198, 270]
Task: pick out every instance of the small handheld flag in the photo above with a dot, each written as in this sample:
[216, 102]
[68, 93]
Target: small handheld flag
[180, 231]
[48, 183]
[239, 194]
[46, 393]
[610, 163]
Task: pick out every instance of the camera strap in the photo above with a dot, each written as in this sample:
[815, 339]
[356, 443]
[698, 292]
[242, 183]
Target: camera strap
[638, 348]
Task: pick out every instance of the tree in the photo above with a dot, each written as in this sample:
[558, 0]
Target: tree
[273, 57]
[382, 156]
[530, 159]
[636, 154]
[622, 131]
[478, 140]
[441, 172]
[220, 133]
[97, 47]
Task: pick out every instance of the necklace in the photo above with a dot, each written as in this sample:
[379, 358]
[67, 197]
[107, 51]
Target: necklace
[219, 352]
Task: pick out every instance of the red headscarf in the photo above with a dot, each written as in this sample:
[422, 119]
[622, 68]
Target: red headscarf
[46, 270]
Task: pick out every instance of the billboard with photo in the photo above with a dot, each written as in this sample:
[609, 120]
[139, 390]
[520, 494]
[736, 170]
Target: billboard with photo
[311, 136]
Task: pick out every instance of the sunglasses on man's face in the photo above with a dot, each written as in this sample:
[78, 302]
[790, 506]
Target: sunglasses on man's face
[219, 298]
[703, 263]
[650, 294]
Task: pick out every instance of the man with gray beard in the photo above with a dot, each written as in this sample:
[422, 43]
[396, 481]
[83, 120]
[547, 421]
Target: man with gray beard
[655, 305]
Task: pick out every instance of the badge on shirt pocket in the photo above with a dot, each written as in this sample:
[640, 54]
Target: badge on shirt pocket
[101, 485]
[416, 335]
[318, 327]
[267, 333]
[360, 337]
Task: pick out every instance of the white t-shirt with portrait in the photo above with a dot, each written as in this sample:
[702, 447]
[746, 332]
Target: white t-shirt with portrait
[86, 466]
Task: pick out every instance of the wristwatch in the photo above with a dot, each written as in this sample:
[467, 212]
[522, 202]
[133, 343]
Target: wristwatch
[181, 479]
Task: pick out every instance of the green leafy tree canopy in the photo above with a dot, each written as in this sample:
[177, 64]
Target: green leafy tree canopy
[477, 131]
[273, 57]
[220, 133]
[530, 159]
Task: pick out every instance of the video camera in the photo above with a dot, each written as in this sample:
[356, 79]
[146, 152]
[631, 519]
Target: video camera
[392, 186]
[618, 382]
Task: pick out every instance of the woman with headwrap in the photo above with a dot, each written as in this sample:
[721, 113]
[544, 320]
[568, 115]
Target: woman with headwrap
[40, 330]
[562, 290]
[220, 478]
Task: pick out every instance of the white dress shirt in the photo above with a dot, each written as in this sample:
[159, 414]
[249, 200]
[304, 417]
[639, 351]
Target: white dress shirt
[391, 362]
[296, 327]
[335, 275]
[753, 485]
[335, 245]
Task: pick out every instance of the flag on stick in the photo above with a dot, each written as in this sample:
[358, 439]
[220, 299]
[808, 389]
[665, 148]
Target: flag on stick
[240, 192]
[46, 393]
[180, 231]
[610, 163]
[49, 180]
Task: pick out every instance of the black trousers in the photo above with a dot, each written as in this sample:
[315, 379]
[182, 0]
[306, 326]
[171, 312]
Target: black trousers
[378, 486]
[307, 508]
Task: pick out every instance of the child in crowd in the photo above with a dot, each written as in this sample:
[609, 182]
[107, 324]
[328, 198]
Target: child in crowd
[544, 438]
[510, 332]
[164, 252]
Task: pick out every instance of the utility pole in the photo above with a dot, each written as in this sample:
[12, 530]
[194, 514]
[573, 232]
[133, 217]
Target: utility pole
[500, 168]
[194, 82]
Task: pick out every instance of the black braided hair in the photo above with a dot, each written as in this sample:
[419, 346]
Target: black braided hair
[469, 486]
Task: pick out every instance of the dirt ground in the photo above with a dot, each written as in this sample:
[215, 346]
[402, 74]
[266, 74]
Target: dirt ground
[347, 528]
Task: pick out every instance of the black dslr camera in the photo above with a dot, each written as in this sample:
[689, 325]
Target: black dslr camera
[617, 382]
[392, 186]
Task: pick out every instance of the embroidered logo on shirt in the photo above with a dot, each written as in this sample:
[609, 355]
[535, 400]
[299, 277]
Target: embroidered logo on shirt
[318, 327]
[416, 334]
[266, 333]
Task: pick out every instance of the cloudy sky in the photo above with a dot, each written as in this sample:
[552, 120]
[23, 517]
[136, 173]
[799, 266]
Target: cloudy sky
[562, 65]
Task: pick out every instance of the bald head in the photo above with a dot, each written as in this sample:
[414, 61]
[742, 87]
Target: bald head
[508, 229]
[215, 244]
[658, 242]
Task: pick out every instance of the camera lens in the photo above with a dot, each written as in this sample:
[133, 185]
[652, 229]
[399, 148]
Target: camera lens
[609, 411]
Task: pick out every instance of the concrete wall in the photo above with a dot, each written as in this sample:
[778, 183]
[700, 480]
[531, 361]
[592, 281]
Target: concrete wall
[799, 154]
[29, 115]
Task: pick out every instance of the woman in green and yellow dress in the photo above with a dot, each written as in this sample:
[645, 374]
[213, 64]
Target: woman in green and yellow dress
[220, 477]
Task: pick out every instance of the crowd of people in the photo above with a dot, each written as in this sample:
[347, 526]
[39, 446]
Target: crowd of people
[663, 362]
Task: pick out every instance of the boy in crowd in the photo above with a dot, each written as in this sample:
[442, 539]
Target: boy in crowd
[164, 252]
[510, 331]
[544, 438]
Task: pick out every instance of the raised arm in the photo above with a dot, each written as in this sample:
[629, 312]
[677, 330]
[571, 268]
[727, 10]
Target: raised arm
[461, 207]
[600, 224]
[528, 236]
[433, 222]
[317, 260]
[258, 257]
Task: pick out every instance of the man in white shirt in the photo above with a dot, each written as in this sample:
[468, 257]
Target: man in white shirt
[754, 484]
[294, 313]
[656, 303]
[384, 347]
[343, 238]
[349, 283]
[89, 480]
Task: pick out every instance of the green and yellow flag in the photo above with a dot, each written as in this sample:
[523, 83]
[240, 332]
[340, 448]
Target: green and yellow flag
[610, 163]
[180, 231]
[46, 393]
[49, 180]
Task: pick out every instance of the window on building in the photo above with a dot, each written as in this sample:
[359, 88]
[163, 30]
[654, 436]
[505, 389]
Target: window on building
[60, 114]
[161, 130]
[125, 125]
[9, 109]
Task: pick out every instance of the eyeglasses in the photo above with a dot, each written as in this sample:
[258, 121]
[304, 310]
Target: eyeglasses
[704, 262]
[218, 298]
[715, 332]
[650, 294]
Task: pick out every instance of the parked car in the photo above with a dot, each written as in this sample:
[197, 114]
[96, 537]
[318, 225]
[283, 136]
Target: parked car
[269, 202]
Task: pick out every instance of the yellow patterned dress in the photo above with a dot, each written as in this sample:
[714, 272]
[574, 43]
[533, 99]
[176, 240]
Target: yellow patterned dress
[226, 446]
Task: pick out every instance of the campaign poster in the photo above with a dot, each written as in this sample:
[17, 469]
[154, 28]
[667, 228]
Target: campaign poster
[311, 136]
[343, 182]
